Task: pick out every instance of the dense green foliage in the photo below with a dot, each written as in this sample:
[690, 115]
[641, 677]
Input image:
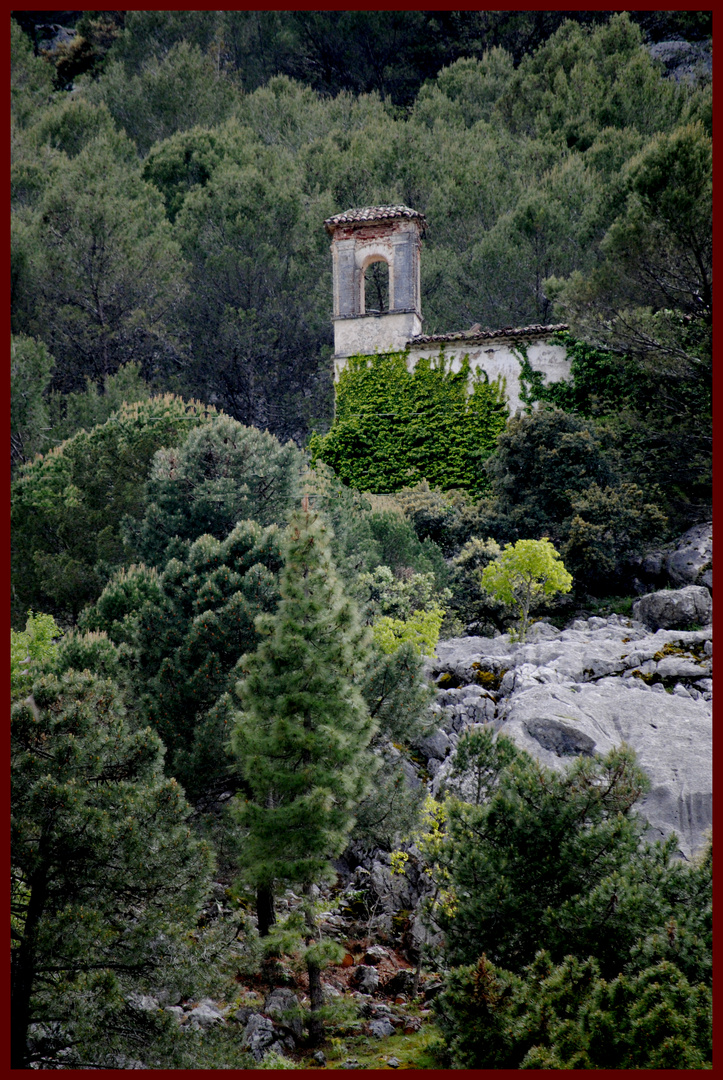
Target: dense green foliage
[554, 861]
[527, 139]
[41, 419]
[552, 475]
[67, 507]
[30, 371]
[104, 865]
[170, 174]
[304, 724]
[187, 627]
[221, 473]
[394, 427]
[566, 1016]
[301, 738]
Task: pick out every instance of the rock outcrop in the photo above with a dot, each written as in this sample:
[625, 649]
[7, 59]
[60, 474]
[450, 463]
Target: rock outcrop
[675, 609]
[588, 688]
[684, 61]
[686, 561]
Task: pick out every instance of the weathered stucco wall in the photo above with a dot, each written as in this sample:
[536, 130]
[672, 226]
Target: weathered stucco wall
[500, 359]
[504, 359]
[368, 334]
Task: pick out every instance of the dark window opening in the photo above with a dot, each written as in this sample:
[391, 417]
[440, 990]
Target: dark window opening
[376, 287]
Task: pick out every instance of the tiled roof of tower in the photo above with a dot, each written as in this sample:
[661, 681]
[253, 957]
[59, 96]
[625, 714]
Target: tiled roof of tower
[372, 213]
[486, 335]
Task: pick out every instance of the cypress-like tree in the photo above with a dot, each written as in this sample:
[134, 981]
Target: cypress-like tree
[301, 738]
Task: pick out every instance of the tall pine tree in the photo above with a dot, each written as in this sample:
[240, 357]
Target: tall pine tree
[301, 738]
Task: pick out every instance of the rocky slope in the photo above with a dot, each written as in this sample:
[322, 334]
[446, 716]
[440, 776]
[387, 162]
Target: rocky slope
[589, 687]
[645, 680]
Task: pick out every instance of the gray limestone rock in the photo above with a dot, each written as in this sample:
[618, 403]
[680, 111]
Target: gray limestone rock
[393, 891]
[675, 608]
[402, 982]
[692, 557]
[205, 1015]
[684, 61]
[380, 1029]
[375, 954]
[144, 1002]
[580, 692]
[258, 1036]
[283, 1005]
[434, 745]
[680, 667]
[366, 978]
[671, 735]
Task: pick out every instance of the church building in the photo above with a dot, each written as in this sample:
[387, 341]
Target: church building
[376, 258]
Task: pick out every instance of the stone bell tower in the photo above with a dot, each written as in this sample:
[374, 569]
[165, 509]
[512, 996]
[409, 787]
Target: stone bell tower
[388, 234]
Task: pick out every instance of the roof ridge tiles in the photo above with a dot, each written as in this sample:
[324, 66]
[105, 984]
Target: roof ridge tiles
[487, 334]
[373, 213]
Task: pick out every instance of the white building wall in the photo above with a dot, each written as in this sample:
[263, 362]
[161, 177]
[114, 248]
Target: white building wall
[499, 358]
[367, 334]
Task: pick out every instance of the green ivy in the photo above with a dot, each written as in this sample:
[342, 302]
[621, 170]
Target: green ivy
[532, 383]
[395, 427]
[601, 381]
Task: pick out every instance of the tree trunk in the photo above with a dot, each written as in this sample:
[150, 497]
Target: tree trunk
[265, 909]
[316, 996]
[23, 973]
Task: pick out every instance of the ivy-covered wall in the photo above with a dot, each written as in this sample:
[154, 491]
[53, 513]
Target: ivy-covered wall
[395, 427]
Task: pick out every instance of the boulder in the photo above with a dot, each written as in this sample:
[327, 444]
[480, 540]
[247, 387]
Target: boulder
[671, 735]
[391, 892]
[375, 954]
[684, 61]
[143, 1002]
[366, 978]
[402, 982]
[259, 1036]
[686, 561]
[675, 608]
[434, 745]
[595, 684]
[205, 1015]
[380, 1029]
[283, 1005]
[691, 561]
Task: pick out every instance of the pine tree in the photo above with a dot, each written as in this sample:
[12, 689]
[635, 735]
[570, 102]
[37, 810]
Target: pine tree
[105, 872]
[301, 740]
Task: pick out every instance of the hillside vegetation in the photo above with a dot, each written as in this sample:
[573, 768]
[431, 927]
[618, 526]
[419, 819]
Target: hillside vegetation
[225, 581]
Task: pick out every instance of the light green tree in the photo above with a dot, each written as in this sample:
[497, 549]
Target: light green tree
[523, 574]
[28, 647]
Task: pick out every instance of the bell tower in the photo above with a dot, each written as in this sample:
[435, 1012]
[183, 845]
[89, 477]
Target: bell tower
[359, 238]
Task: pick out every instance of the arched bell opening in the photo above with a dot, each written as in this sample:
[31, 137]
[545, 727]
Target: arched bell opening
[375, 286]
